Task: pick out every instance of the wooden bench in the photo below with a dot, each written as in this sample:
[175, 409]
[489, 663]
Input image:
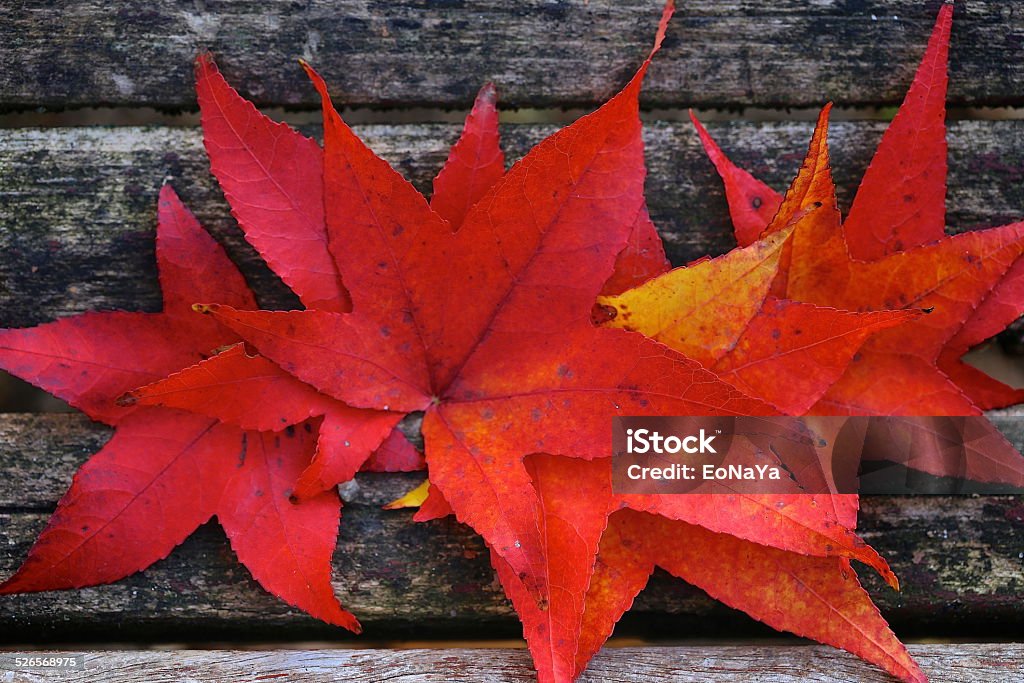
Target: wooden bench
[77, 213]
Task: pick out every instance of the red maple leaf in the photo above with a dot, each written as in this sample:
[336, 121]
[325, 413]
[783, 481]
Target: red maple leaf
[813, 597]
[972, 283]
[895, 225]
[165, 472]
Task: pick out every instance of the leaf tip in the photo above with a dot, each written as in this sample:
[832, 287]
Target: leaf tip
[167, 195]
[666, 14]
[711, 148]
[488, 94]
[205, 58]
[413, 499]
[204, 66]
[318, 82]
[893, 581]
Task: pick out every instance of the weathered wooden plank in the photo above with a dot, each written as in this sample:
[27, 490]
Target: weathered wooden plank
[77, 206]
[539, 53]
[961, 561]
[963, 663]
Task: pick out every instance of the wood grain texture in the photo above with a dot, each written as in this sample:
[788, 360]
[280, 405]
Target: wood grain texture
[961, 561]
[539, 52]
[963, 663]
[78, 205]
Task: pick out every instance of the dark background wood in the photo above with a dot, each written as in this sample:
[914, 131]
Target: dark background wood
[540, 52]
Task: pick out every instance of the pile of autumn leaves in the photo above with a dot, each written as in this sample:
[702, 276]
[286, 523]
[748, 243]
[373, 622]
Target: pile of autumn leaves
[520, 311]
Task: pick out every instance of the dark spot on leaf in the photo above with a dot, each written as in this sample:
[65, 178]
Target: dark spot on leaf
[289, 431]
[602, 313]
[125, 400]
[756, 202]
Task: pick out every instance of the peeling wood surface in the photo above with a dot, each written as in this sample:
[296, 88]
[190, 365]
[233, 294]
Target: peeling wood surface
[961, 561]
[539, 53]
[964, 663]
[78, 205]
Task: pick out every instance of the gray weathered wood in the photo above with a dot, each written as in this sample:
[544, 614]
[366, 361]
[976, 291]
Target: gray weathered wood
[77, 206]
[961, 663]
[540, 53]
[961, 561]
